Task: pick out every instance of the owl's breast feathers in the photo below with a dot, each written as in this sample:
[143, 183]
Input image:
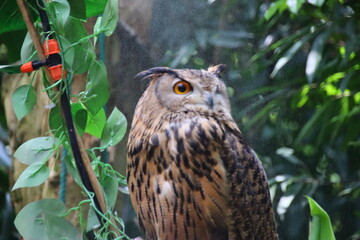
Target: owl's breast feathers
[195, 178]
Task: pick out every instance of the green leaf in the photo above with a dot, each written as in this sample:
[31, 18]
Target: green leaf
[110, 185]
[32, 176]
[36, 150]
[97, 90]
[110, 17]
[84, 57]
[307, 129]
[80, 116]
[92, 220]
[95, 124]
[28, 52]
[23, 100]
[84, 53]
[317, 3]
[294, 5]
[274, 7]
[288, 55]
[320, 226]
[10, 69]
[86, 122]
[114, 130]
[315, 56]
[69, 52]
[55, 121]
[61, 9]
[10, 17]
[43, 220]
[95, 7]
[97, 29]
[78, 9]
[71, 168]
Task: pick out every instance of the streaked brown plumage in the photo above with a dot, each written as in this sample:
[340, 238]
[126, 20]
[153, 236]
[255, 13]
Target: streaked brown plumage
[190, 173]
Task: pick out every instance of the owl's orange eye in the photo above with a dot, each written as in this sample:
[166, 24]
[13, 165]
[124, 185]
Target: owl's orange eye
[182, 87]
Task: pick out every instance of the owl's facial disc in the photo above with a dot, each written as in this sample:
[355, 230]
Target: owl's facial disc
[209, 100]
[197, 91]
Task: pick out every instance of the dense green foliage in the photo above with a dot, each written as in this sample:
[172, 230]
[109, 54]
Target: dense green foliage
[294, 86]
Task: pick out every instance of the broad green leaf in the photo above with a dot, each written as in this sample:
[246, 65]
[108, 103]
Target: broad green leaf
[294, 5]
[71, 168]
[10, 69]
[289, 55]
[55, 121]
[27, 52]
[92, 220]
[78, 9]
[35, 150]
[274, 7]
[43, 220]
[97, 29]
[10, 17]
[95, 7]
[84, 53]
[23, 100]
[81, 118]
[308, 127]
[315, 56]
[60, 228]
[69, 52]
[32, 176]
[110, 17]
[83, 58]
[61, 9]
[318, 3]
[79, 115]
[114, 130]
[320, 226]
[97, 90]
[110, 186]
[95, 124]
[260, 114]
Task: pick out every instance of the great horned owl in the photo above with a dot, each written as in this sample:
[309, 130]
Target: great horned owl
[190, 172]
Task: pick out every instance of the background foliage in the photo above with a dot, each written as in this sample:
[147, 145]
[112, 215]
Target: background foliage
[294, 86]
[293, 68]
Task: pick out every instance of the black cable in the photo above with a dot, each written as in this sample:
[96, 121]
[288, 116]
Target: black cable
[65, 105]
[44, 18]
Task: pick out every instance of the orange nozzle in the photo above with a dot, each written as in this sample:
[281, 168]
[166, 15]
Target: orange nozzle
[27, 67]
[56, 72]
[51, 46]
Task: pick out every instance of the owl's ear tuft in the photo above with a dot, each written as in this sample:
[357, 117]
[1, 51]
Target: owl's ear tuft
[218, 69]
[156, 71]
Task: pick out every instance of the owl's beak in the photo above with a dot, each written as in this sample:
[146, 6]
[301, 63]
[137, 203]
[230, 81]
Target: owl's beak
[209, 100]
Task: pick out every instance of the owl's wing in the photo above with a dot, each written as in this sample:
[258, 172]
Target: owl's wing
[251, 214]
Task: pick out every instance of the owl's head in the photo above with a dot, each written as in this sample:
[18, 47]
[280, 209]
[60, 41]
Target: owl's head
[183, 90]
